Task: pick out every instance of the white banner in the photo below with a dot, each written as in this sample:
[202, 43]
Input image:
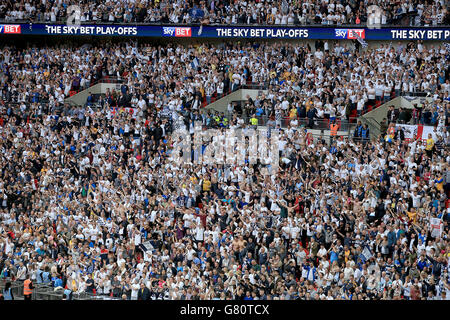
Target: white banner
[409, 130]
[427, 130]
[436, 226]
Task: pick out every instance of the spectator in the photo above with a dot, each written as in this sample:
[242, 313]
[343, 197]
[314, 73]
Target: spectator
[392, 114]
[404, 116]
[7, 292]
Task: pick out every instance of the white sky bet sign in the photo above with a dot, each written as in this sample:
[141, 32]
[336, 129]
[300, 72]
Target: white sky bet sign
[177, 31]
[420, 34]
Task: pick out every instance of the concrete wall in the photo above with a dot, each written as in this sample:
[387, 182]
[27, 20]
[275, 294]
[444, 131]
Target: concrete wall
[400, 102]
[409, 104]
[379, 113]
[241, 94]
[80, 98]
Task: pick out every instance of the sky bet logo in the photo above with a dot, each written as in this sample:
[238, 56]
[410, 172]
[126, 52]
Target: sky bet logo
[177, 32]
[10, 29]
[349, 33]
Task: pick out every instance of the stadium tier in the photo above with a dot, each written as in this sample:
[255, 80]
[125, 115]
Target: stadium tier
[260, 12]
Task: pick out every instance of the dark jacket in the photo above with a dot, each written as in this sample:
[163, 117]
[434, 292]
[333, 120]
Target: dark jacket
[144, 294]
[401, 133]
[358, 131]
[392, 115]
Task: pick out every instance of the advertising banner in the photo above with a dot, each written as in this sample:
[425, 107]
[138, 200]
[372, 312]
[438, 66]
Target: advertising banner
[430, 129]
[413, 132]
[409, 130]
[232, 32]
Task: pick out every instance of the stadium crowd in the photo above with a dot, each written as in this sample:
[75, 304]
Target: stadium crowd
[92, 202]
[286, 12]
[329, 81]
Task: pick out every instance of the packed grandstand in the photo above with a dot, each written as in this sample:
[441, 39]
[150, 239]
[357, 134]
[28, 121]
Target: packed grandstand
[93, 205]
[224, 12]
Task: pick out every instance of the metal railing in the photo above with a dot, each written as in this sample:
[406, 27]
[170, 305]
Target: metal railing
[40, 292]
[415, 94]
[285, 122]
[16, 288]
[373, 124]
[43, 291]
[346, 126]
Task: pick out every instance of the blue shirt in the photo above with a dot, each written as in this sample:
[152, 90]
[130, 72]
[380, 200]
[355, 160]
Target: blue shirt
[422, 237]
[57, 282]
[39, 276]
[46, 276]
[421, 264]
[333, 256]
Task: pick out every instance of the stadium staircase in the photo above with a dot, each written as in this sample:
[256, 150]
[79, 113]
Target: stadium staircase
[240, 95]
[374, 117]
[98, 88]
